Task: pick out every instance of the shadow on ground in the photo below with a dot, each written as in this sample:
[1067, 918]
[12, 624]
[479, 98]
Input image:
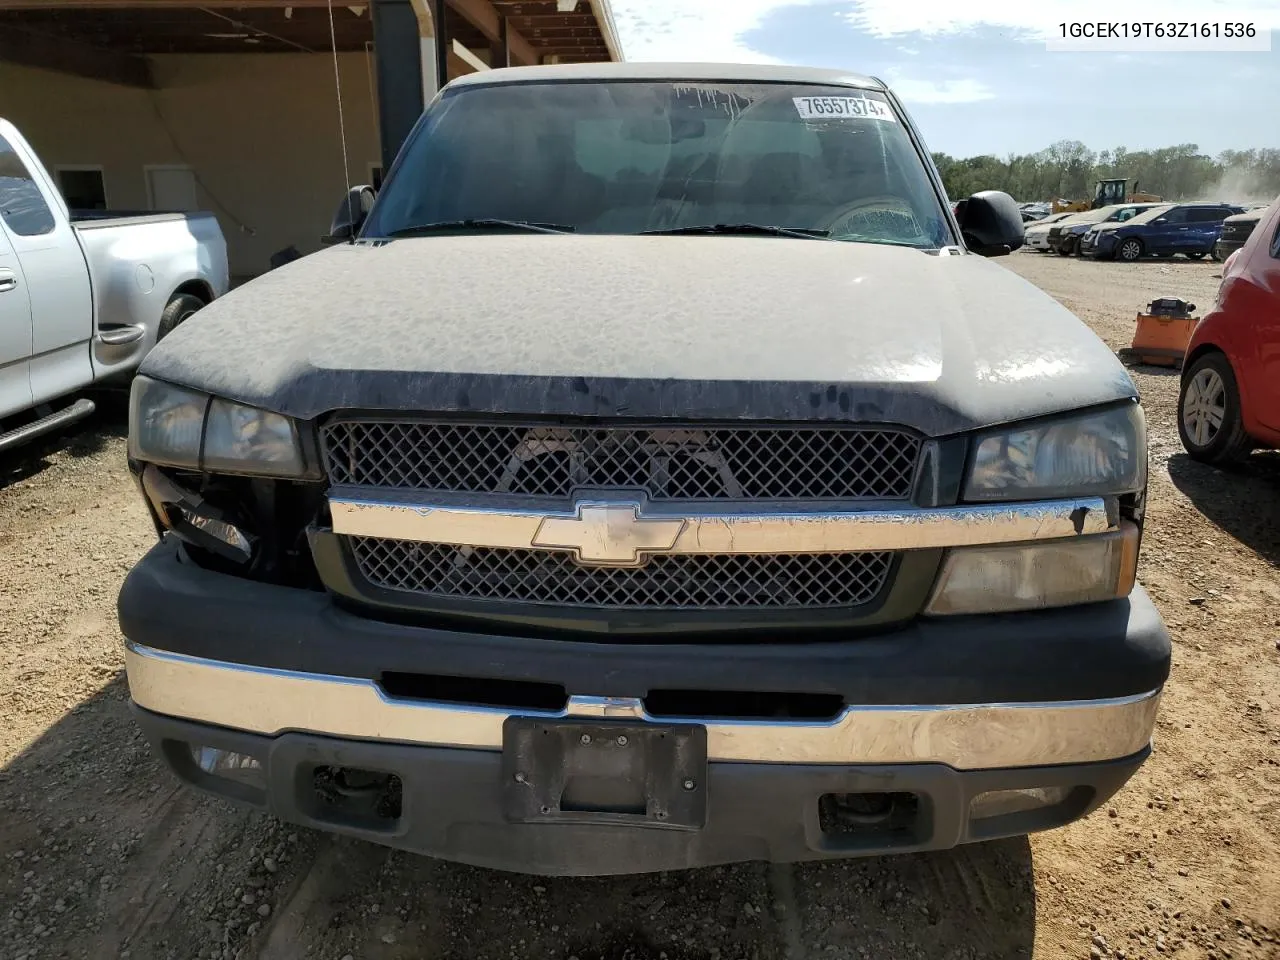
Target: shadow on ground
[108, 853]
[1170, 260]
[1150, 370]
[81, 439]
[1241, 499]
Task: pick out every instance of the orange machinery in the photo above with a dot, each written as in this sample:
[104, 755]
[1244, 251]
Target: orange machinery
[1163, 333]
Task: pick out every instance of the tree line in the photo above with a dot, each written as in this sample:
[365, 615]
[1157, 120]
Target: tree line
[1068, 170]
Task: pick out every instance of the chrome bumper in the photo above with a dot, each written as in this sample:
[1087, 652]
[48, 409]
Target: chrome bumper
[962, 736]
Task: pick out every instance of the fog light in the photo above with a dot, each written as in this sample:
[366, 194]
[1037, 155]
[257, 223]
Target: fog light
[1036, 575]
[239, 767]
[998, 803]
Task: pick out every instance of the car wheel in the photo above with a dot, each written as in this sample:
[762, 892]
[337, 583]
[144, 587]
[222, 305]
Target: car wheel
[178, 309]
[1196, 255]
[1064, 250]
[1209, 422]
[1129, 250]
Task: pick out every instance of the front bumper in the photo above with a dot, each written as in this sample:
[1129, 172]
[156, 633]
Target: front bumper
[942, 710]
[1225, 248]
[1067, 243]
[449, 804]
[1097, 247]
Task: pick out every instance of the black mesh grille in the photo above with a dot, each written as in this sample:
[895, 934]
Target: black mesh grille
[670, 463]
[697, 581]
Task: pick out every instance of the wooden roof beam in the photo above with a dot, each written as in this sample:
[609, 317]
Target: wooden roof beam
[32, 49]
[158, 4]
[482, 15]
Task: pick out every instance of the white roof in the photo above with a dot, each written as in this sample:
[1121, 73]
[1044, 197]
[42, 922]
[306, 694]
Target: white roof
[699, 72]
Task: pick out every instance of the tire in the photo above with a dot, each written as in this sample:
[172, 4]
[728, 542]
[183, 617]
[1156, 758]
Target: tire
[179, 308]
[1196, 255]
[1064, 250]
[1129, 250]
[1209, 422]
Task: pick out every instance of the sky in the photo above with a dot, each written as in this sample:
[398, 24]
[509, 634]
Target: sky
[976, 75]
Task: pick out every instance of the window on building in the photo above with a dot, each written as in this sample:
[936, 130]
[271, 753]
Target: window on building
[22, 205]
[375, 175]
[83, 188]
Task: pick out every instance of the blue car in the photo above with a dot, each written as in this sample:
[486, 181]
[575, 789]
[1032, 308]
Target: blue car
[1189, 228]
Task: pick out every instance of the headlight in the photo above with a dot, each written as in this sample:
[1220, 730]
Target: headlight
[184, 428]
[1093, 455]
[165, 423]
[1058, 573]
[242, 439]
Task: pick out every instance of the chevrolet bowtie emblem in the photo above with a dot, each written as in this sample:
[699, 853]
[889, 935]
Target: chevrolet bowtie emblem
[609, 533]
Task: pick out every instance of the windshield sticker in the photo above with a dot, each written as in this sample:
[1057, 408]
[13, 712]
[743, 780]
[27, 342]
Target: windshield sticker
[848, 108]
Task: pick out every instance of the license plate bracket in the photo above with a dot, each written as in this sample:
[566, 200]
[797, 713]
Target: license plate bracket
[633, 774]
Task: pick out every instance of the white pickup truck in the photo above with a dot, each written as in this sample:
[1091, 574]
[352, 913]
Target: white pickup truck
[85, 296]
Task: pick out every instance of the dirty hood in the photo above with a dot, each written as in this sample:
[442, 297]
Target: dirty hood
[702, 327]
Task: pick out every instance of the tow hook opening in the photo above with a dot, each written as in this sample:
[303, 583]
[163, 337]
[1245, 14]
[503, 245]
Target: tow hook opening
[352, 797]
[852, 820]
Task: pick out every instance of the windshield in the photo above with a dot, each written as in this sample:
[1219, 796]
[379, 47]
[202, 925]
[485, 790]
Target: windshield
[636, 157]
[1146, 216]
[1094, 216]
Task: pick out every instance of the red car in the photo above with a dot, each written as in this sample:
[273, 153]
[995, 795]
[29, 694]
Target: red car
[1229, 403]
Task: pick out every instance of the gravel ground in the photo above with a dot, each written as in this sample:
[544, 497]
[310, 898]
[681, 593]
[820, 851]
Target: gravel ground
[101, 854]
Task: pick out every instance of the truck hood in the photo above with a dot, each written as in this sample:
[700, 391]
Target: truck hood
[1249, 216]
[702, 327]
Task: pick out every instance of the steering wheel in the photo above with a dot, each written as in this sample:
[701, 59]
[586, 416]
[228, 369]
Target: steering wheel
[885, 203]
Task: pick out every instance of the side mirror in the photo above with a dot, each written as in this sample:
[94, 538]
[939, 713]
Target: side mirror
[1160, 220]
[350, 215]
[991, 224]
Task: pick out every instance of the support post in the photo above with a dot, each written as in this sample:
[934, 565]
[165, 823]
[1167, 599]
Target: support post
[397, 52]
[502, 49]
[442, 42]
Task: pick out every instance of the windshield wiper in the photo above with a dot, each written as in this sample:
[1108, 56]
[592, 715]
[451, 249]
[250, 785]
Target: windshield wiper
[482, 223]
[801, 233]
[889, 243]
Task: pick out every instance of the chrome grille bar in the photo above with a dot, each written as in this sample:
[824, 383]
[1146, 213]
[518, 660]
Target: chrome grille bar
[783, 530]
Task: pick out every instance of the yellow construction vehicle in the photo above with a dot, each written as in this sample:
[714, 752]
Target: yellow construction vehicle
[1105, 193]
[1068, 206]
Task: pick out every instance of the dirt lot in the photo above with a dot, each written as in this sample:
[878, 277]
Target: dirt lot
[103, 855]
